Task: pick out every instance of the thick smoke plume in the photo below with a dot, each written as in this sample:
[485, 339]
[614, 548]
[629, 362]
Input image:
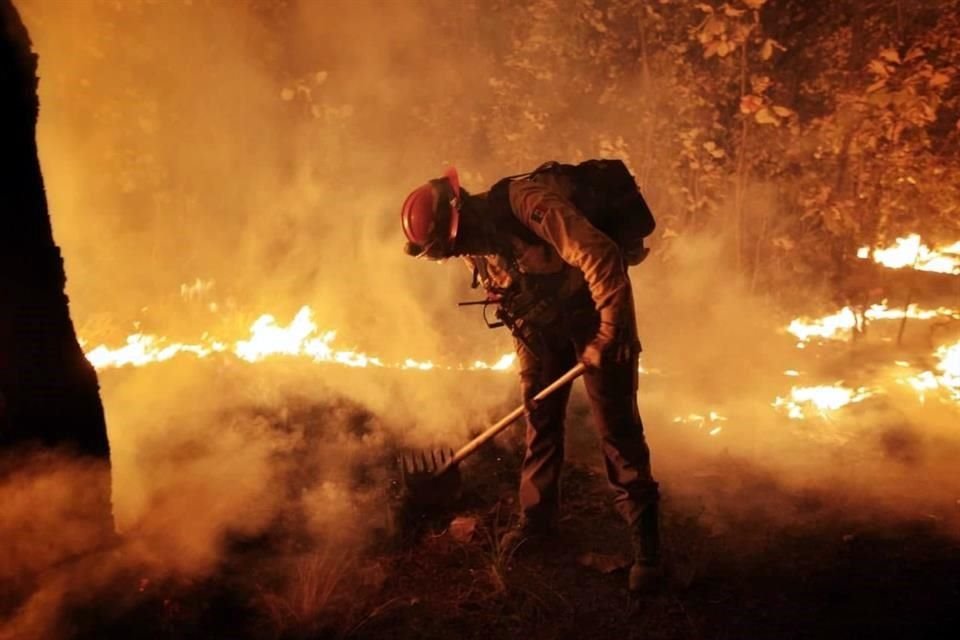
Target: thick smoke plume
[265, 148]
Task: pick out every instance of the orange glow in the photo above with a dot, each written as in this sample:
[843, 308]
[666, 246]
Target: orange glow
[911, 252]
[840, 325]
[946, 377]
[301, 338]
[711, 421]
[141, 349]
[822, 399]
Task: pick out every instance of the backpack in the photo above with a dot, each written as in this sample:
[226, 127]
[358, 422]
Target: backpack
[606, 193]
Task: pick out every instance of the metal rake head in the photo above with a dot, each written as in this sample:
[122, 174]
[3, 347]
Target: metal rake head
[419, 465]
[427, 479]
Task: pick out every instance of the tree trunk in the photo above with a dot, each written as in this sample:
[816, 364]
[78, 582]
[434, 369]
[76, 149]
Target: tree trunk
[49, 393]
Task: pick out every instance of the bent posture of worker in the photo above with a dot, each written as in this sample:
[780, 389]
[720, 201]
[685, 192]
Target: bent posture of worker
[564, 288]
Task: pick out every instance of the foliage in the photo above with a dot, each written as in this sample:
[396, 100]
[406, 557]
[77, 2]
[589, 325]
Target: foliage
[796, 130]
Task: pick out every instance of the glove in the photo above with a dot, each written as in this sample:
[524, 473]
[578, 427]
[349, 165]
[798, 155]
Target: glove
[607, 348]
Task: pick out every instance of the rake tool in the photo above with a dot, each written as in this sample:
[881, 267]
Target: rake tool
[433, 479]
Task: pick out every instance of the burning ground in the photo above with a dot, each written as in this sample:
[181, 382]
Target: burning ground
[809, 482]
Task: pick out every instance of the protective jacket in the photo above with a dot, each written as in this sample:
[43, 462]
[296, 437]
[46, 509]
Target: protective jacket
[577, 280]
[554, 249]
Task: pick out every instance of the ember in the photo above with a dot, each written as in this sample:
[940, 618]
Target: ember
[711, 421]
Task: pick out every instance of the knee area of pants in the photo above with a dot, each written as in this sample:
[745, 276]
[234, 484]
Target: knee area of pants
[623, 431]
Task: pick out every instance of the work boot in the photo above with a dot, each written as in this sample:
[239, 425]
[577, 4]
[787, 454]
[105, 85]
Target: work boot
[646, 574]
[527, 534]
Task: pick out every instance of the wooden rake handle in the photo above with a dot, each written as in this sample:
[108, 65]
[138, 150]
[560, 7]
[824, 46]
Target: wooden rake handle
[491, 432]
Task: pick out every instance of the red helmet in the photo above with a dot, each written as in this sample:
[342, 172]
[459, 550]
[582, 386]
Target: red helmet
[431, 216]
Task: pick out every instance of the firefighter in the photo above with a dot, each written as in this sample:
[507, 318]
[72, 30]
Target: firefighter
[565, 292]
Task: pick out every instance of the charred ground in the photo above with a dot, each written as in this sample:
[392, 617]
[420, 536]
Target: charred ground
[823, 567]
[752, 552]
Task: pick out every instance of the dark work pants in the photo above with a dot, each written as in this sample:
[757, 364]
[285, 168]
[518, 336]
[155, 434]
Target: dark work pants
[544, 355]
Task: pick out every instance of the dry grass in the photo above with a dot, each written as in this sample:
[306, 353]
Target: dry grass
[498, 559]
[307, 601]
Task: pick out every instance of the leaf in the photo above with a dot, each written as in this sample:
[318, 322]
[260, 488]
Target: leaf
[914, 53]
[704, 7]
[754, 4]
[890, 55]
[714, 26]
[939, 79]
[760, 84]
[876, 86]
[750, 104]
[710, 50]
[604, 562]
[878, 68]
[766, 51]
[731, 12]
[462, 528]
[783, 112]
[711, 147]
[765, 116]
[740, 33]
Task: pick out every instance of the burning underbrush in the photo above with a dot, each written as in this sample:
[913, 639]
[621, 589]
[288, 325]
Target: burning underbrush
[255, 484]
[257, 495]
[269, 484]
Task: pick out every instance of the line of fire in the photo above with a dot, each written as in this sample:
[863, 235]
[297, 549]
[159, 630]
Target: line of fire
[356, 319]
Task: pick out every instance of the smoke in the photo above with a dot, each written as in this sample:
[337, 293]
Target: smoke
[711, 346]
[286, 457]
[265, 148]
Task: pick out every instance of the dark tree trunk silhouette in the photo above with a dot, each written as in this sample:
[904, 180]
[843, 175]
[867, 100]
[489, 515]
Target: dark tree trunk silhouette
[49, 393]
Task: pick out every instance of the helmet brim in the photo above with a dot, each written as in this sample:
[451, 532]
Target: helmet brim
[454, 178]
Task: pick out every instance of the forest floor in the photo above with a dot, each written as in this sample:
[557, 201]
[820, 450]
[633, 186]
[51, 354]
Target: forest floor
[828, 528]
[747, 557]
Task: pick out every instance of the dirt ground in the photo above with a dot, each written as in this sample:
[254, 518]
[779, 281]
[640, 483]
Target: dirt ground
[751, 550]
[734, 572]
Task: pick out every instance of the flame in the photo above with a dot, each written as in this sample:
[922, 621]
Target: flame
[141, 349]
[922, 383]
[505, 362]
[832, 327]
[301, 338]
[840, 325]
[709, 420]
[950, 366]
[823, 398]
[948, 379]
[911, 252]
